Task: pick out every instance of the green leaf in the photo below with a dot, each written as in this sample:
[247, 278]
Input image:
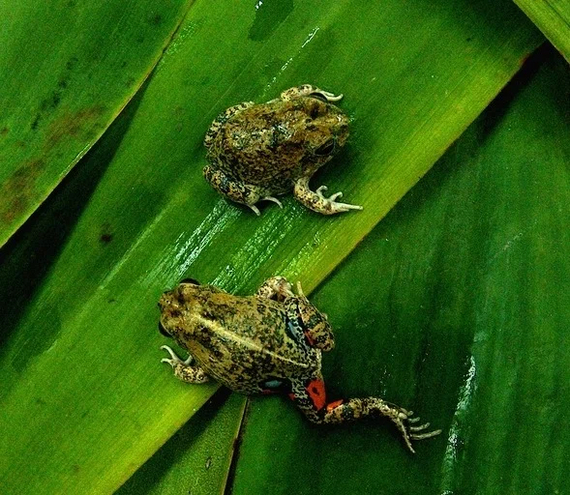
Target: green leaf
[80, 360]
[553, 18]
[456, 305]
[67, 68]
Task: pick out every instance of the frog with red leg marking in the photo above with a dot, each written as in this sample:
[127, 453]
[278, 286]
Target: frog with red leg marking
[270, 342]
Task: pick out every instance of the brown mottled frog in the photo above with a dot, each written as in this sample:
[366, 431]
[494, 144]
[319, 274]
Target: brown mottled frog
[257, 152]
[267, 343]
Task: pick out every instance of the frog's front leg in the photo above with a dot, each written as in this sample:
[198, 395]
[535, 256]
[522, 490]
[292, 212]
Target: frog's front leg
[183, 369]
[310, 397]
[237, 191]
[316, 201]
[277, 288]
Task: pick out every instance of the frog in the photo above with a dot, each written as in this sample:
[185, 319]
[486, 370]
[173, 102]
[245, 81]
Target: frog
[268, 343]
[256, 152]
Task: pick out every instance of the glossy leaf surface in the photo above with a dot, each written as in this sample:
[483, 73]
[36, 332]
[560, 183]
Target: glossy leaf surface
[80, 360]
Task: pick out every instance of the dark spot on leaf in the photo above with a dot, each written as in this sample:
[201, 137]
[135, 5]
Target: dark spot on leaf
[75, 124]
[71, 63]
[4, 131]
[17, 190]
[155, 20]
[36, 122]
[106, 238]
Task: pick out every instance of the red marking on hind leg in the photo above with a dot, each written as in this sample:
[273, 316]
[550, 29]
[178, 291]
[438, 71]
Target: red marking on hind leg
[316, 391]
[334, 404]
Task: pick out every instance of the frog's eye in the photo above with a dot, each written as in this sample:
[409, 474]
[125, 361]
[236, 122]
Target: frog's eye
[190, 281]
[326, 149]
[162, 330]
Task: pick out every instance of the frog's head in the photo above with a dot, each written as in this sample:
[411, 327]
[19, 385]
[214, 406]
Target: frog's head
[173, 307]
[316, 326]
[327, 130]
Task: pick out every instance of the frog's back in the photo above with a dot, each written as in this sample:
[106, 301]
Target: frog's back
[245, 342]
[263, 144]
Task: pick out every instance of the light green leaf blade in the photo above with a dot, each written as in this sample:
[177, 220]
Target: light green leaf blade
[552, 17]
[456, 305]
[67, 68]
[80, 361]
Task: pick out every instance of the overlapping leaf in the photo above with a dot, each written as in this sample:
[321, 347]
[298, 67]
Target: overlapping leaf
[79, 364]
[67, 68]
[454, 305]
[553, 18]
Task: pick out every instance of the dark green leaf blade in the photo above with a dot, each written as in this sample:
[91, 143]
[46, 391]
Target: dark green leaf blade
[67, 68]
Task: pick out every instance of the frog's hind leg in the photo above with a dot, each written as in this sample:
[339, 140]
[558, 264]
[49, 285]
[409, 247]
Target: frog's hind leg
[183, 370]
[316, 201]
[310, 397]
[239, 192]
[309, 90]
[221, 119]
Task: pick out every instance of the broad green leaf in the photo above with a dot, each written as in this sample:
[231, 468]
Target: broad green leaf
[552, 17]
[67, 68]
[80, 361]
[456, 305]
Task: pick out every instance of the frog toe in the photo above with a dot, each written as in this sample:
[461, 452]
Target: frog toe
[184, 370]
[174, 359]
[317, 201]
[255, 210]
[332, 205]
[275, 200]
[310, 90]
